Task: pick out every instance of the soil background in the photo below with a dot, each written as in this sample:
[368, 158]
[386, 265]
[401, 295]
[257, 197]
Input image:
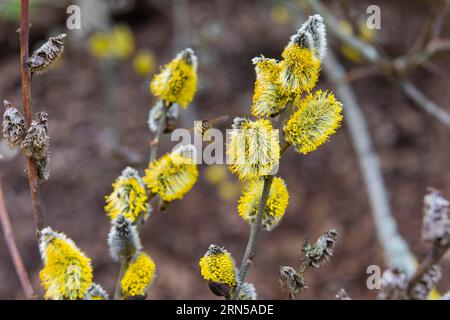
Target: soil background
[326, 188]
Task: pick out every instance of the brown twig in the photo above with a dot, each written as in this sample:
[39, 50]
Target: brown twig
[161, 127]
[26, 100]
[13, 251]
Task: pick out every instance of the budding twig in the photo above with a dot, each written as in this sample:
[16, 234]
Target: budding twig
[159, 132]
[26, 100]
[13, 251]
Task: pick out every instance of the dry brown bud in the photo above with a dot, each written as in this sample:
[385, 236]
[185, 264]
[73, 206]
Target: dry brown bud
[37, 141]
[13, 125]
[291, 281]
[317, 255]
[48, 53]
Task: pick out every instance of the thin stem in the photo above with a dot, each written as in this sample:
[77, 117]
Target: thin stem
[13, 251]
[118, 289]
[255, 232]
[159, 132]
[26, 100]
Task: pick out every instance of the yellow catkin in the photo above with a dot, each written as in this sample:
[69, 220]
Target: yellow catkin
[317, 118]
[138, 277]
[117, 44]
[299, 69]
[67, 272]
[276, 204]
[177, 81]
[217, 265]
[171, 176]
[253, 149]
[128, 198]
[144, 63]
[268, 97]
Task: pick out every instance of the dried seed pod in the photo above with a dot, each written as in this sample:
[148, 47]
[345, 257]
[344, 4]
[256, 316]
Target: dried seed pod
[317, 255]
[48, 53]
[342, 295]
[37, 141]
[43, 169]
[13, 125]
[393, 285]
[436, 222]
[291, 281]
[428, 281]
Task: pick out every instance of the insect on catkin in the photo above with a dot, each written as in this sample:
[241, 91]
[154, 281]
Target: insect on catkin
[47, 54]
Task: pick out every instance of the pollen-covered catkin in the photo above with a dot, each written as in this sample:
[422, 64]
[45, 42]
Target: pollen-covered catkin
[177, 81]
[253, 149]
[123, 239]
[139, 276]
[37, 141]
[172, 175]
[67, 272]
[13, 125]
[317, 118]
[47, 54]
[269, 97]
[276, 204]
[299, 68]
[217, 265]
[129, 197]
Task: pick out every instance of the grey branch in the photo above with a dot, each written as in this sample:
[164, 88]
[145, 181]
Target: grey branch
[396, 250]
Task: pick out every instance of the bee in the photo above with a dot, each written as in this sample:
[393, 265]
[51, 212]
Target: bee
[48, 53]
[203, 127]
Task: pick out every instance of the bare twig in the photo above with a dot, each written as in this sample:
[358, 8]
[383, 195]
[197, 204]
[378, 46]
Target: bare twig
[429, 106]
[255, 232]
[395, 248]
[13, 251]
[26, 100]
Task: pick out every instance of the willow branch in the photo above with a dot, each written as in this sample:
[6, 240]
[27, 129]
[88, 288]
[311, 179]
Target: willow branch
[396, 250]
[26, 100]
[255, 232]
[13, 251]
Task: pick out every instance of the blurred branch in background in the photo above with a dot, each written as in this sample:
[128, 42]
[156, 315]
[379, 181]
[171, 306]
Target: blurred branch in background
[13, 251]
[396, 69]
[396, 250]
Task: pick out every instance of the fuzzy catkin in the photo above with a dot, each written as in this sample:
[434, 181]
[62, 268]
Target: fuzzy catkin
[123, 239]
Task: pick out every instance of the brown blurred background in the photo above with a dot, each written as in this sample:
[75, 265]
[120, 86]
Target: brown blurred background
[326, 188]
